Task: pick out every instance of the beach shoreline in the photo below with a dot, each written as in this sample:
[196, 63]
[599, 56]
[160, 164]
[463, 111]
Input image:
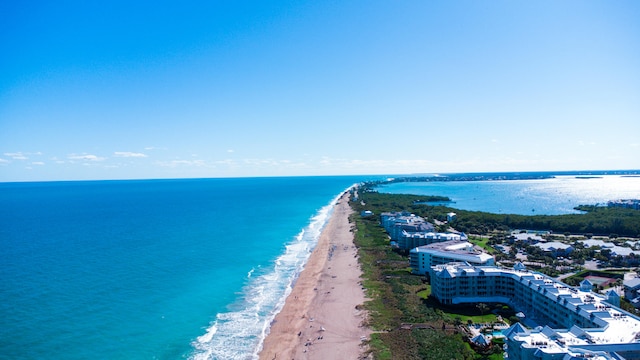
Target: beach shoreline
[321, 318]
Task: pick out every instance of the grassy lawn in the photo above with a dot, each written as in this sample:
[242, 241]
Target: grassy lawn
[424, 294]
[483, 243]
[476, 319]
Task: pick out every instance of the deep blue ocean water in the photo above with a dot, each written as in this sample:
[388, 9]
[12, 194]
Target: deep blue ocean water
[169, 269]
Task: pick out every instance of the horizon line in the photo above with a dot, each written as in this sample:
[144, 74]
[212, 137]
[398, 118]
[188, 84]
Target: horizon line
[424, 174]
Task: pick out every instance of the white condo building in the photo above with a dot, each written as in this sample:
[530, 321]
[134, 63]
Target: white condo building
[577, 323]
[397, 223]
[422, 258]
[409, 240]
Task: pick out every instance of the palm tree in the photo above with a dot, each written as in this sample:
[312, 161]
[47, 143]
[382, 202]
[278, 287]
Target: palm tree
[483, 308]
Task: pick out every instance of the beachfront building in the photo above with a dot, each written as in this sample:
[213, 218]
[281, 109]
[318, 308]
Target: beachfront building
[422, 258]
[410, 240]
[389, 219]
[395, 223]
[577, 322]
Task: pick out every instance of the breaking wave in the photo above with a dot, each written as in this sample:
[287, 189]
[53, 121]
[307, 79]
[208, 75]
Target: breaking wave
[239, 334]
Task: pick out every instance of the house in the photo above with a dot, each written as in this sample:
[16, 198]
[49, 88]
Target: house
[525, 237]
[629, 255]
[481, 340]
[625, 203]
[555, 248]
[632, 289]
[451, 217]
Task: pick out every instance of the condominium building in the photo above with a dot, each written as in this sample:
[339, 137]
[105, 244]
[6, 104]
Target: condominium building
[395, 223]
[577, 322]
[410, 240]
[422, 258]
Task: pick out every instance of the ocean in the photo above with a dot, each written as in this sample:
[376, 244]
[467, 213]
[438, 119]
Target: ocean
[156, 269]
[193, 268]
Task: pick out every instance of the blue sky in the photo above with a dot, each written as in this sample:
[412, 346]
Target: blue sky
[165, 89]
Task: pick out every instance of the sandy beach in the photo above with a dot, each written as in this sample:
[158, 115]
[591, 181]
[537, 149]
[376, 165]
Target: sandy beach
[319, 319]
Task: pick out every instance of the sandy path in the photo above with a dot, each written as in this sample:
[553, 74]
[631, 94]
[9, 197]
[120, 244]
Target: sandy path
[319, 319]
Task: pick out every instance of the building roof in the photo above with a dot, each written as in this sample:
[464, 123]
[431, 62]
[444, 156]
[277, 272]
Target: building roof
[615, 249]
[597, 242]
[526, 236]
[519, 266]
[433, 235]
[553, 246]
[632, 283]
[516, 328]
[481, 340]
[611, 293]
[455, 249]
[614, 326]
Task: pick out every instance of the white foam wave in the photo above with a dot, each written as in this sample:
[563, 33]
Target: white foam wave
[239, 334]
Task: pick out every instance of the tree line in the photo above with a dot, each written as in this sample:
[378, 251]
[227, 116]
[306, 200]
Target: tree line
[595, 220]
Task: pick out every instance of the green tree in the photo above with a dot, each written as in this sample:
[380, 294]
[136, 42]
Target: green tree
[483, 309]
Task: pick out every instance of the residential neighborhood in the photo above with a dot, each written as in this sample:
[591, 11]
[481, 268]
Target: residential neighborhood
[577, 294]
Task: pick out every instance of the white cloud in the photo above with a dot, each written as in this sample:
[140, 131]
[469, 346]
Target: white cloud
[16, 155]
[85, 157]
[226, 162]
[129, 154]
[230, 150]
[56, 160]
[4, 161]
[175, 163]
[37, 163]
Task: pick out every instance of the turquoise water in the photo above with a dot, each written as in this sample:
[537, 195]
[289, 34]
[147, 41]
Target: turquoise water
[554, 196]
[167, 269]
[158, 269]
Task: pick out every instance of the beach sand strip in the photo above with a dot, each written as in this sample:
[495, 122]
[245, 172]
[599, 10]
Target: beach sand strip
[319, 319]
